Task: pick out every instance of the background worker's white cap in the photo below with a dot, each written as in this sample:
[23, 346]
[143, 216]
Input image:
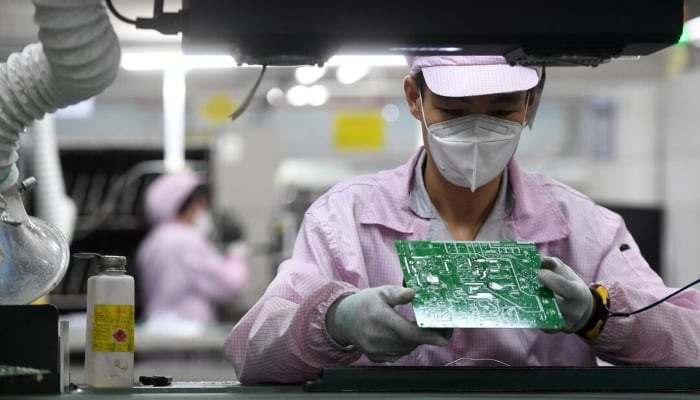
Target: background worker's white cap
[461, 76]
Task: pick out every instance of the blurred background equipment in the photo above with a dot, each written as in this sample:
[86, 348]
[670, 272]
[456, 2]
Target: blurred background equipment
[77, 57]
[109, 203]
[298, 182]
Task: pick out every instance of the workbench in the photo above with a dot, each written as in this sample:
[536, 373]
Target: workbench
[297, 392]
[430, 383]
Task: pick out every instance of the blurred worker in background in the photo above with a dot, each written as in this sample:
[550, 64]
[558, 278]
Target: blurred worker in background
[339, 300]
[183, 275]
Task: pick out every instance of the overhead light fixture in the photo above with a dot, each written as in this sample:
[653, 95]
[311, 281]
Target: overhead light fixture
[300, 95]
[368, 60]
[162, 60]
[348, 74]
[296, 95]
[692, 31]
[275, 96]
[308, 74]
[317, 95]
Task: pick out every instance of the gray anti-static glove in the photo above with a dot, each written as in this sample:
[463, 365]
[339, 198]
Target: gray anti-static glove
[368, 321]
[573, 296]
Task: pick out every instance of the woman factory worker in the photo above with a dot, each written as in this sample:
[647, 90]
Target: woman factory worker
[182, 273]
[339, 300]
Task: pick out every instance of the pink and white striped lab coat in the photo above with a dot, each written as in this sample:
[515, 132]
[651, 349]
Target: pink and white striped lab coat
[346, 243]
[183, 276]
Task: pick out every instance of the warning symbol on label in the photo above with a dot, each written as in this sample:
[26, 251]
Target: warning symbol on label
[113, 328]
[119, 335]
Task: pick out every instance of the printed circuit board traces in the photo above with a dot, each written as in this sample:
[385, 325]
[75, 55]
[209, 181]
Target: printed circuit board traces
[477, 285]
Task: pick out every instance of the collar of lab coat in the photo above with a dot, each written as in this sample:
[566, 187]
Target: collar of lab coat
[535, 216]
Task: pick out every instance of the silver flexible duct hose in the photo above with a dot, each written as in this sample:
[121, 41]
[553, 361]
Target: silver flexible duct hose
[52, 203]
[77, 58]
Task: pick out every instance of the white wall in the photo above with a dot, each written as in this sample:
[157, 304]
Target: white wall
[680, 139]
[628, 173]
[600, 138]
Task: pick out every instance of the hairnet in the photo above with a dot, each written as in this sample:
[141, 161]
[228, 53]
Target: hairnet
[167, 193]
[461, 76]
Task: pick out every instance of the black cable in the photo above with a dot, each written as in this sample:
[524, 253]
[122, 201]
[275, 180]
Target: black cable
[166, 23]
[118, 14]
[157, 8]
[249, 97]
[654, 304]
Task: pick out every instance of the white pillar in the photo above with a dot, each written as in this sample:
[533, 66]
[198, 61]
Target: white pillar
[174, 118]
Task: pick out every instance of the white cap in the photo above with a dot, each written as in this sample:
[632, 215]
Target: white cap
[462, 76]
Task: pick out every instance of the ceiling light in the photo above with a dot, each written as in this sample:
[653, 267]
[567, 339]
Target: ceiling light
[297, 95]
[390, 113]
[368, 60]
[308, 74]
[692, 28]
[350, 73]
[275, 96]
[160, 60]
[149, 61]
[317, 95]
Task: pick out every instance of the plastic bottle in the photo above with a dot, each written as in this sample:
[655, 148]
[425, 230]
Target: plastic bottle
[109, 339]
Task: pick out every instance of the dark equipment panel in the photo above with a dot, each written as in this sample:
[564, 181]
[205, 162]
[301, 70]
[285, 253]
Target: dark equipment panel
[563, 32]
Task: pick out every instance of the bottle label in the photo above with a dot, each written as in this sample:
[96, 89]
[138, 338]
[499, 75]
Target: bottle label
[113, 328]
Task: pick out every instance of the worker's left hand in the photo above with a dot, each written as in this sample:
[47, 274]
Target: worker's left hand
[368, 321]
[573, 296]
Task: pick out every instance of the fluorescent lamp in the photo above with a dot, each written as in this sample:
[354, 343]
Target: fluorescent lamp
[143, 61]
[348, 74]
[692, 28]
[368, 60]
[308, 74]
[153, 61]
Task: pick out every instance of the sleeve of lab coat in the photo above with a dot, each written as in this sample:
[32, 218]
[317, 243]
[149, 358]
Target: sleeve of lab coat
[665, 335]
[283, 337]
[215, 275]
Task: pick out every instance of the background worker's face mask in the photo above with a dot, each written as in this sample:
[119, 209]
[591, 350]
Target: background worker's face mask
[472, 150]
[204, 222]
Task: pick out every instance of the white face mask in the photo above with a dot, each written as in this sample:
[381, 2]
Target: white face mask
[472, 150]
[204, 222]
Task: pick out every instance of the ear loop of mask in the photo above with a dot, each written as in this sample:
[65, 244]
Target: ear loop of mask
[422, 111]
[527, 103]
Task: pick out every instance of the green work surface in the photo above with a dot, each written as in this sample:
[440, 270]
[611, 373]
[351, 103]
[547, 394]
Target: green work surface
[477, 285]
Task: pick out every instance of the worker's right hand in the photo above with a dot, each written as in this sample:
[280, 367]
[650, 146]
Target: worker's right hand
[368, 321]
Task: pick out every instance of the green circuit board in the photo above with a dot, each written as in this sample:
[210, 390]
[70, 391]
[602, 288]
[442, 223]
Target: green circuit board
[477, 285]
